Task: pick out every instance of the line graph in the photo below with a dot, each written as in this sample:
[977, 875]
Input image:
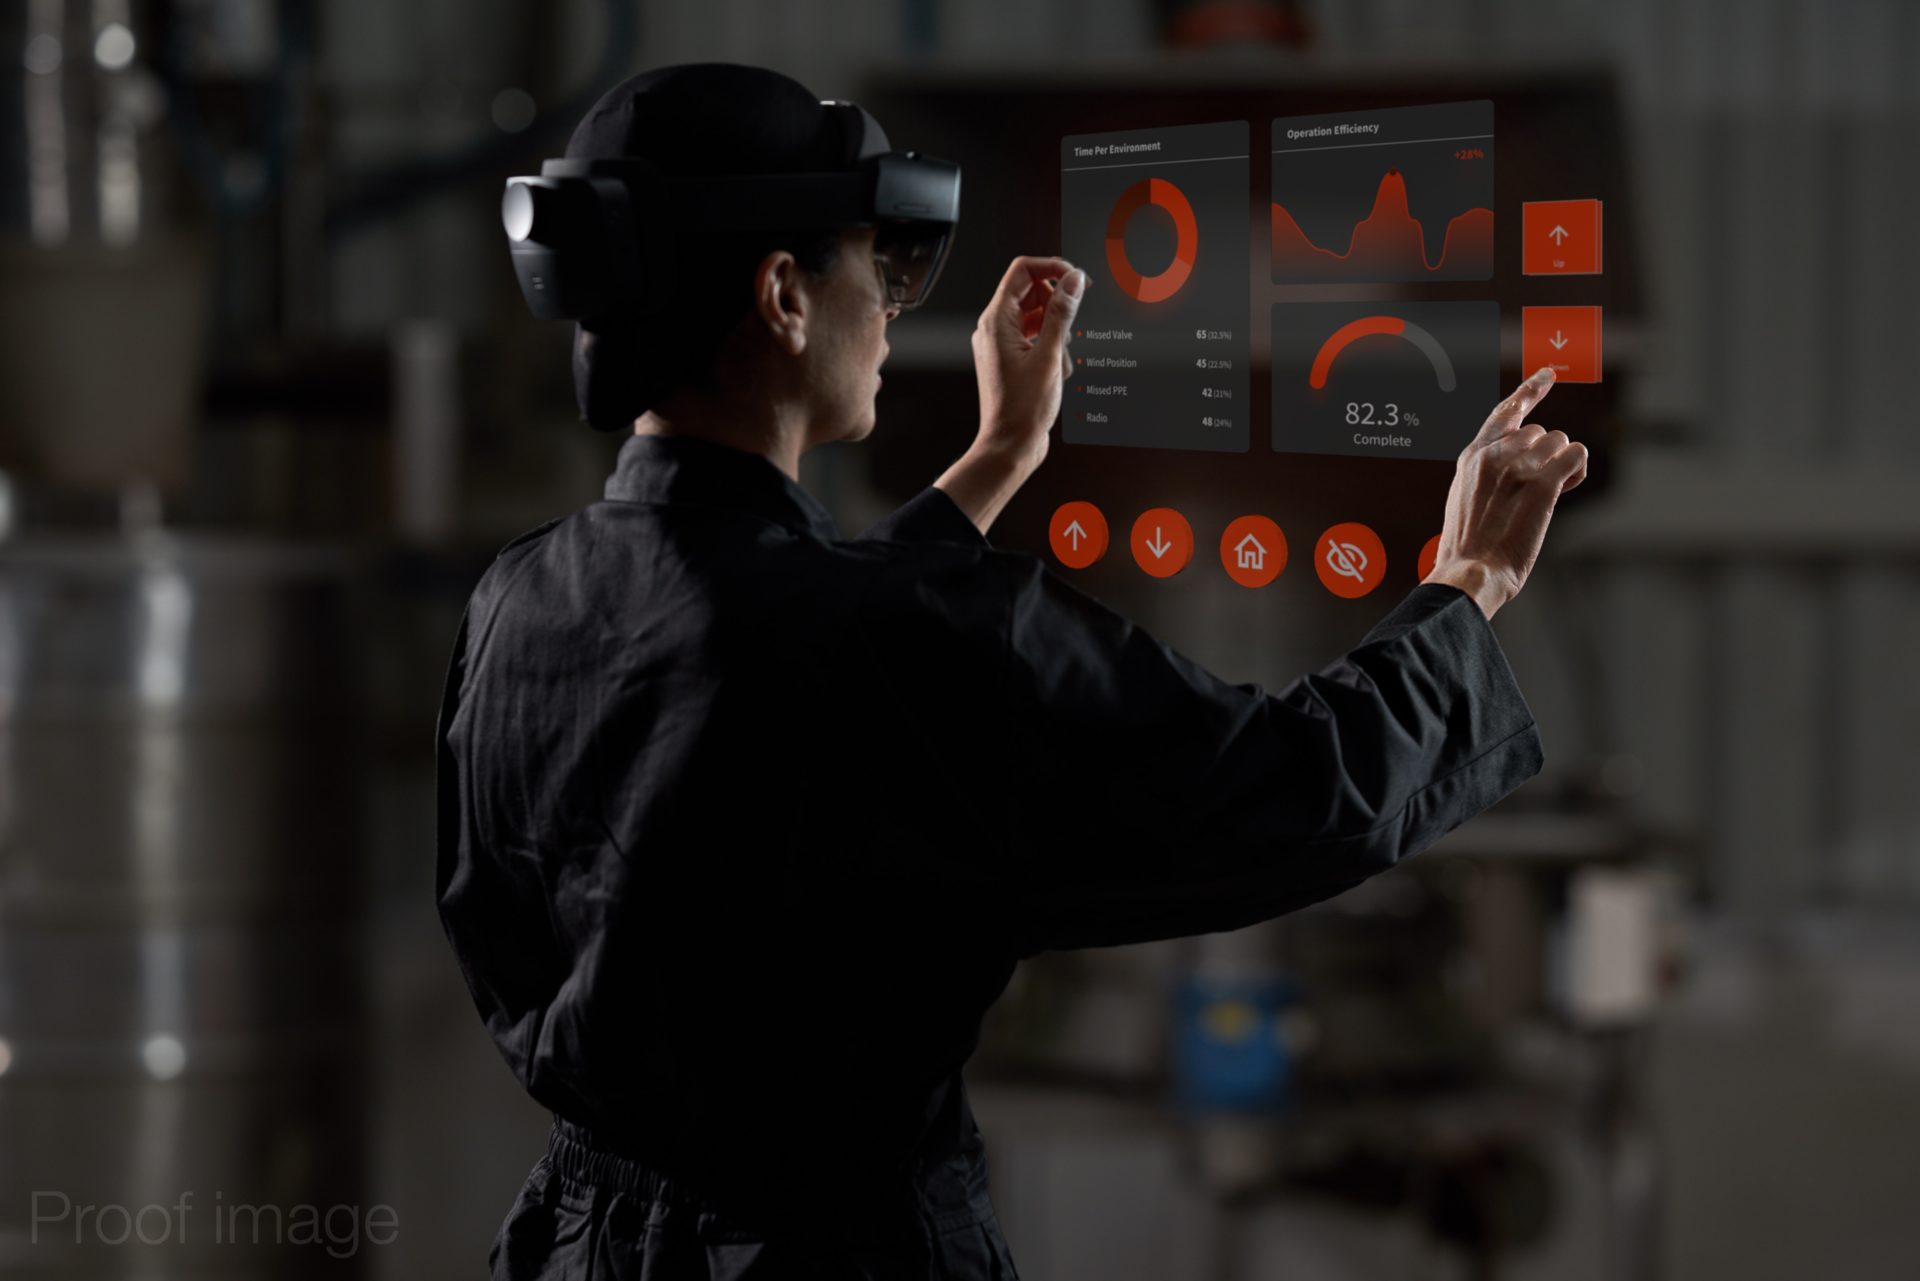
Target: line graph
[1399, 194]
[1389, 243]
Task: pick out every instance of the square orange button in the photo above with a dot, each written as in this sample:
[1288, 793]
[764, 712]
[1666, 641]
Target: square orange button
[1568, 338]
[1560, 238]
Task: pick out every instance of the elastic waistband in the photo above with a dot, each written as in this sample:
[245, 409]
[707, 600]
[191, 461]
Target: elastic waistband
[574, 1155]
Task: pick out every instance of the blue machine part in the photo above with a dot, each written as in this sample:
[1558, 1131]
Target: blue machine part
[1231, 1043]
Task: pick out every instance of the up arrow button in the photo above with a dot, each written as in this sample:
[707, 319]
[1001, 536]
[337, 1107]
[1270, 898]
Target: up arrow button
[1078, 534]
[1560, 238]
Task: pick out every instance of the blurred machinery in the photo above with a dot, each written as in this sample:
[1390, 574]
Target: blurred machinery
[180, 867]
[1457, 1049]
[215, 406]
[103, 318]
[182, 1017]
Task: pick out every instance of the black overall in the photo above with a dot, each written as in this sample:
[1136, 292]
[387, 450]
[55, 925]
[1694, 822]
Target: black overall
[743, 827]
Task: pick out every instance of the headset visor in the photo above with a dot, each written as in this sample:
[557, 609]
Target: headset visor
[909, 256]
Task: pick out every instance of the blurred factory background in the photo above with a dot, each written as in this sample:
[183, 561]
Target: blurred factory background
[269, 401]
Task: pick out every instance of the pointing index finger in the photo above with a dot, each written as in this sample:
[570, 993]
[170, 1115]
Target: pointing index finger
[1512, 411]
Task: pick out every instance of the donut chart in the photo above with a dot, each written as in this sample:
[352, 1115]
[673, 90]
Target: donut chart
[1164, 284]
[1160, 350]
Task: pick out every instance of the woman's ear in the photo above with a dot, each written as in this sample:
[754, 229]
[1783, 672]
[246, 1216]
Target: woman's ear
[780, 301]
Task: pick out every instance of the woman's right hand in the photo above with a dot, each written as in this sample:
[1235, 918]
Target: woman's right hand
[1020, 356]
[1504, 489]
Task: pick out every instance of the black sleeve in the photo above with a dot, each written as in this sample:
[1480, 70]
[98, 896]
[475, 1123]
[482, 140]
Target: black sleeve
[929, 516]
[1157, 800]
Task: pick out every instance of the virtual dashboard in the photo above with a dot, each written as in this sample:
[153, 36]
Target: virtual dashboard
[1161, 345]
[1376, 227]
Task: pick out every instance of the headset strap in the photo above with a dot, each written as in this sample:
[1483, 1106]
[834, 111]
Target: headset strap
[893, 186]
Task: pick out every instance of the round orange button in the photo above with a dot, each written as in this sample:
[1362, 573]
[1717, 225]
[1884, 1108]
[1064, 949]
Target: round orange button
[1253, 551]
[1350, 560]
[1162, 541]
[1078, 534]
[1428, 555]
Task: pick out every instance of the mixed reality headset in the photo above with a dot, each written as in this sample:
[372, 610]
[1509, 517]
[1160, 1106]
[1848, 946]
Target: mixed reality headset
[594, 239]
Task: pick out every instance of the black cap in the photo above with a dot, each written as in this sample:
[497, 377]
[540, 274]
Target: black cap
[716, 118]
[695, 120]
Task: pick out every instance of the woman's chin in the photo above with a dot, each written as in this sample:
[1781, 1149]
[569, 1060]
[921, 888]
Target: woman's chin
[861, 421]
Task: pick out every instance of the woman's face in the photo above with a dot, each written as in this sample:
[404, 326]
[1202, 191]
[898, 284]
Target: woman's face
[847, 343]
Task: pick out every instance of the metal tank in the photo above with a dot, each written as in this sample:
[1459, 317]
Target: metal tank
[181, 1012]
[105, 264]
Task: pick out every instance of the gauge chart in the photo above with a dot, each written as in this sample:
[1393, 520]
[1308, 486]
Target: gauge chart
[1403, 194]
[1394, 380]
[1158, 218]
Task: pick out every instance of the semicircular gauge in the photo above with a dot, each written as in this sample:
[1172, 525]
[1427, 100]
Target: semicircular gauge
[1370, 326]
